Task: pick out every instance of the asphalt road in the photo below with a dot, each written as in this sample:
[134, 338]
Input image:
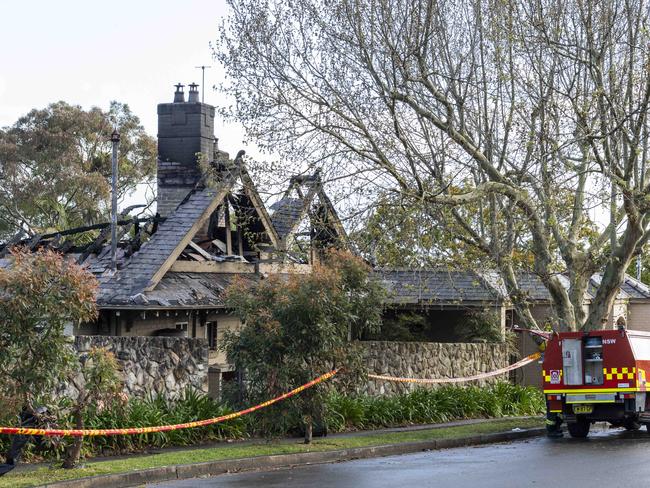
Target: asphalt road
[609, 458]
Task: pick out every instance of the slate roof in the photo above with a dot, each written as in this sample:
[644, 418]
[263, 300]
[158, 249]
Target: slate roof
[634, 288]
[444, 286]
[532, 285]
[184, 290]
[432, 286]
[293, 207]
[594, 283]
[286, 214]
[137, 272]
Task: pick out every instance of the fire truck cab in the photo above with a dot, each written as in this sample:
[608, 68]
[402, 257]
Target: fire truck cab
[596, 376]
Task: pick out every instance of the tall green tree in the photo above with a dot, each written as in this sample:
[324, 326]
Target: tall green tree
[519, 118]
[297, 327]
[55, 166]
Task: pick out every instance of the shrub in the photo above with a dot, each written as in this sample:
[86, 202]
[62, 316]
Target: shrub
[480, 325]
[156, 410]
[342, 412]
[443, 404]
[40, 293]
[297, 327]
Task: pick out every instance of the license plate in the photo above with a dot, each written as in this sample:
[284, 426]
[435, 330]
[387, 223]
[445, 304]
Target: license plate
[583, 408]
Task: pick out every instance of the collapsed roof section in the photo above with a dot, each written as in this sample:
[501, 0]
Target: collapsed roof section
[305, 220]
[219, 229]
[211, 221]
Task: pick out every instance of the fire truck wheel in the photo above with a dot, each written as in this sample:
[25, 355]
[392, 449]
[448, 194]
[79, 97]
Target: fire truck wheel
[579, 429]
[632, 425]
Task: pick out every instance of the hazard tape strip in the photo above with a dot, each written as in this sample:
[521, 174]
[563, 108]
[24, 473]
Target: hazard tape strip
[518, 364]
[162, 428]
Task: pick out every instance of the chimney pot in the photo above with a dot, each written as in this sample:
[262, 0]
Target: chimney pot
[194, 93]
[179, 95]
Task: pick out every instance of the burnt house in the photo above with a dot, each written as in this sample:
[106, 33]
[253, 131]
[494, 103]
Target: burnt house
[211, 228]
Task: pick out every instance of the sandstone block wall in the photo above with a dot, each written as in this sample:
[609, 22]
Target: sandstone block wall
[429, 360]
[164, 365]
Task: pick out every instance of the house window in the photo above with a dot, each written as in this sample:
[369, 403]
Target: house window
[212, 335]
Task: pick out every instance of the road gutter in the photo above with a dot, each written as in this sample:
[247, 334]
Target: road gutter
[214, 468]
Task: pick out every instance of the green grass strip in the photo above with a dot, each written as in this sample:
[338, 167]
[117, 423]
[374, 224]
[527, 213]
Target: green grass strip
[44, 475]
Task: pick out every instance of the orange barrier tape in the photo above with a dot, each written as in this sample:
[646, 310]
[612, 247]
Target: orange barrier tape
[162, 428]
[519, 364]
[546, 335]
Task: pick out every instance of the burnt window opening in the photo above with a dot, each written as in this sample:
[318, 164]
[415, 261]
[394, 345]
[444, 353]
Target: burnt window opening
[212, 335]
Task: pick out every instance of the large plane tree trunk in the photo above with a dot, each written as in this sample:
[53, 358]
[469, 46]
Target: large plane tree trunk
[614, 275]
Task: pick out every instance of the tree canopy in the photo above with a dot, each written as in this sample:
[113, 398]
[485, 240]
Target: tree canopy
[55, 166]
[507, 124]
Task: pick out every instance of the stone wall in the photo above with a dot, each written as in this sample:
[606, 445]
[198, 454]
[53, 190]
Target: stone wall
[164, 365]
[429, 360]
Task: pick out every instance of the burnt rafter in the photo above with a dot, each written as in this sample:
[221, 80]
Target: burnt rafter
[55, 241]
[212, 225]
[251, 228]
[304, 199]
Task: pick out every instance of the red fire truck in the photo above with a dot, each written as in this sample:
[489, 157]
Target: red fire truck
[596, 376]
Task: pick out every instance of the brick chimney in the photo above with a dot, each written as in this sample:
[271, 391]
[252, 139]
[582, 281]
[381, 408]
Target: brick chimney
[184, 130]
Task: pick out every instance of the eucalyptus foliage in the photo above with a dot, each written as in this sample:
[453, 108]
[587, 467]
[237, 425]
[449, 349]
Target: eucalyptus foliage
[297, 327]
[55, 166]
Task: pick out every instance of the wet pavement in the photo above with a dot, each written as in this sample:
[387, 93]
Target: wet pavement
[606, 458]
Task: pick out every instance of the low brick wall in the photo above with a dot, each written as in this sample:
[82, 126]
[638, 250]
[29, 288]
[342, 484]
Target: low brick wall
[429, 360]
[164, 365]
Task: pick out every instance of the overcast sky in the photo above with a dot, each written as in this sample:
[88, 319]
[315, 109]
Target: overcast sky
[91, 52]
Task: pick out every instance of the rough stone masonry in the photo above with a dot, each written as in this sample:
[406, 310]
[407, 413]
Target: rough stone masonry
[169, 365]
[155, 365]
[429, 360]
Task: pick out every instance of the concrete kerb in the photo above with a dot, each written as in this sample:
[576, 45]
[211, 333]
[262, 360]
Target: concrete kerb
[213, 468]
